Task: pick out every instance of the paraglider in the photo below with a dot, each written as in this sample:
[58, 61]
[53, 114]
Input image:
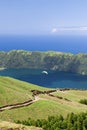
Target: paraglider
[44, 72]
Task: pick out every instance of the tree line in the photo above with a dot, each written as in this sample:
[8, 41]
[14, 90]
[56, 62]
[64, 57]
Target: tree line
[71, 122]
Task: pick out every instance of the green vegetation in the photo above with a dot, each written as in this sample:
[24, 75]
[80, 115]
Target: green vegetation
[44, 60]
[47, 105]
[13, 126]
[73, 95]
[83, 101]
[45, 112]
[15, 91]
[71, 122]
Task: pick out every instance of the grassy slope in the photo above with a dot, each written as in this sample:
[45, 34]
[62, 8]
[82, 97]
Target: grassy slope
[42, 109]
[73, 95]
[45, 106]
[7, 125]
[14, 91]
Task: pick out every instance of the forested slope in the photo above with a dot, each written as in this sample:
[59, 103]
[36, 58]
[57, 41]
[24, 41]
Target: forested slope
[45, 60]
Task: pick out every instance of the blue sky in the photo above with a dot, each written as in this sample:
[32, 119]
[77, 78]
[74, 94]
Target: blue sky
[32, 17]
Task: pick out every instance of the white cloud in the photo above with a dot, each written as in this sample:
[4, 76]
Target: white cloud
[81, 28]
[54, 30]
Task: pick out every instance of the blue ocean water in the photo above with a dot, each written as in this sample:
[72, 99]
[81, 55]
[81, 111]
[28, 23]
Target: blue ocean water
[72, 44]
[52, 80]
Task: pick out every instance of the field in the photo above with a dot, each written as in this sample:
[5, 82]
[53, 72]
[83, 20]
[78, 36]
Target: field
[15, 91]
[55, 103]
[8, 125]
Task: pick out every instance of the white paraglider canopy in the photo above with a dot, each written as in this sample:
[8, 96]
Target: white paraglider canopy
[44, 72]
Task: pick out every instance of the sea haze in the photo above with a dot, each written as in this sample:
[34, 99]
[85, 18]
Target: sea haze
[52, 79]
[72, 44]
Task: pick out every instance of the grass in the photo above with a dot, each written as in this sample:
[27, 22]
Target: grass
[8, 125]
[42, 109]
[73, 95]
[12, 90]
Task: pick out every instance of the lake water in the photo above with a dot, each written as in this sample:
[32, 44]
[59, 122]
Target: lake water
[52, 80]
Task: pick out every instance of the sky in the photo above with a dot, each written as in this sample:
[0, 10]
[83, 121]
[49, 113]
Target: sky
[43, 17]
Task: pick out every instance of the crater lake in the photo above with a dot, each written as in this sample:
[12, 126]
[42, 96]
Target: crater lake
[53, 79]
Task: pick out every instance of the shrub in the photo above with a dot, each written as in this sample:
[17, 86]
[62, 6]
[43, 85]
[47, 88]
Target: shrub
[83, 101]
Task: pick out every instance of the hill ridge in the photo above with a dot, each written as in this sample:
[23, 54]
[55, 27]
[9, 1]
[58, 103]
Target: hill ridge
[50, 60]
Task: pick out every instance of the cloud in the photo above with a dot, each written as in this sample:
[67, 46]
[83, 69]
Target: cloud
[54, 30]
[83, 28]
[60, 29]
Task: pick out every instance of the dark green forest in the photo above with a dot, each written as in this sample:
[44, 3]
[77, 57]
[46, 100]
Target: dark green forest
[71, 122]
[50, 60]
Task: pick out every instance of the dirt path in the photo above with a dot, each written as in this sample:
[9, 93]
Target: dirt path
[13, 106]
[26, 103]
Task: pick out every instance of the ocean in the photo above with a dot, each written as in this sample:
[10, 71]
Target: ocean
[71, 44]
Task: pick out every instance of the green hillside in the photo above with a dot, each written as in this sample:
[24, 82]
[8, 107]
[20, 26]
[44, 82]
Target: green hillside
[55, 103]
[12, 126]
[15, 91]
[49, 60]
